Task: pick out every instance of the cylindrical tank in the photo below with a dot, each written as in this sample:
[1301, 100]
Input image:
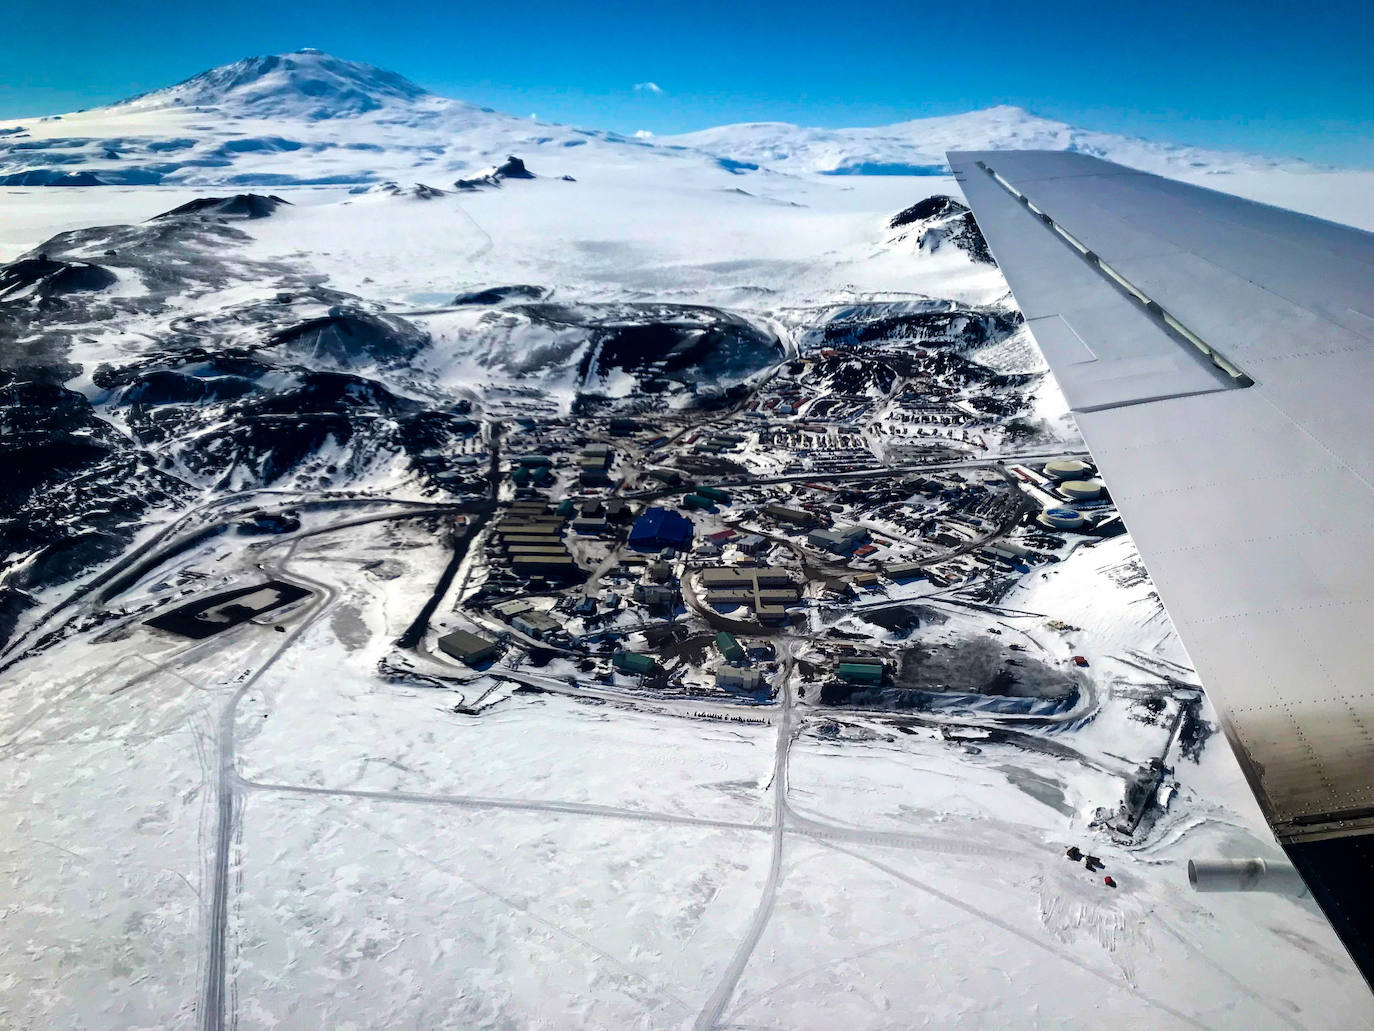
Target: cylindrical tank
[1245, 875]
[1066, 469]
[1061, 518]
[1082, 490]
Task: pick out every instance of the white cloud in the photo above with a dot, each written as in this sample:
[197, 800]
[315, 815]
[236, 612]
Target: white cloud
[643, 134]
[648, 87]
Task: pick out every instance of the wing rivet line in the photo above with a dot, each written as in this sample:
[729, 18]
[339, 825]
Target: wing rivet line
[1157, 310]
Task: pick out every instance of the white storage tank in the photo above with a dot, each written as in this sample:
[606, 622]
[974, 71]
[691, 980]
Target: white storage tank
[1082, 490]
[1067, 469]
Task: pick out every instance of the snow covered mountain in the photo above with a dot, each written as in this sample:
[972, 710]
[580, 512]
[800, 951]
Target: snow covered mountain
[306, 84]
[310, 118]
[918, 147]
[304, 118]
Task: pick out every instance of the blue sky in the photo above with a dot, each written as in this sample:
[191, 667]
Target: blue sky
[1280, 78]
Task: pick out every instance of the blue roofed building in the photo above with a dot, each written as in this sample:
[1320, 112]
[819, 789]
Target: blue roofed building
[661, 528]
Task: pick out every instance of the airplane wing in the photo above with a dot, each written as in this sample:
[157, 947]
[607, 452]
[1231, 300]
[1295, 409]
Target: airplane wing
[1218, 356]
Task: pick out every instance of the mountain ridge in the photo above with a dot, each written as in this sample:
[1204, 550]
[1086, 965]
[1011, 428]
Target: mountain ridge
[310, 118]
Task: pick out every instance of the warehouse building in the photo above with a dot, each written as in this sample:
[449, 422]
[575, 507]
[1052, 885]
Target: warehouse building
[793, 516]
[837, 541]
[767, 590]
[729, 648]
[467, 648]
[532, 539]
[1007, 551]
[535, 624]
[904, 571]
[751, 544]
[668, 476]
[734, 576]
[660, 528]
[595, 456]
[865, 673]
[512, 607]
[634, 664]
[550, 566]
[698, 503]
[593, 477]
[508, 541]
[656, 595]
[735, 678]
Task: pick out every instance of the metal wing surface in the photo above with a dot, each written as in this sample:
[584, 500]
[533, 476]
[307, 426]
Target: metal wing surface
[1218, 355]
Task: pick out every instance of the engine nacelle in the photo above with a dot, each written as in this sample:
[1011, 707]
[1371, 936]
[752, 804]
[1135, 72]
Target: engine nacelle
[1245, 875]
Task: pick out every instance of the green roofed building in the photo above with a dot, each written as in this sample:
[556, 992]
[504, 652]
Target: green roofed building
[729, 647]
[860, 672]
[467, 648]
[698, 502]
[633, 663]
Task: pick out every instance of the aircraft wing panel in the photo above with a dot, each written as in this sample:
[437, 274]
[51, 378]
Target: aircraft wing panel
[1219, 358]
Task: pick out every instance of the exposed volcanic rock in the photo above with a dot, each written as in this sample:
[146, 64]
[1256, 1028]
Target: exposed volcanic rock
[74, 492]
[241, 205]
[496, 294]
[688, 343]
[922, 210]
[45, 277]
[166, 387]
[49, 177]
[419, 191]
[941, 219]
[352, 337]
[513, 168]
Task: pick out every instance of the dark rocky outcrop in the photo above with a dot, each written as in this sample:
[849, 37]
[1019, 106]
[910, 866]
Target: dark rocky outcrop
[241, 205]
[46, 277]
[942, 219]
[497, 294]
[512, 168]
[351, 337]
